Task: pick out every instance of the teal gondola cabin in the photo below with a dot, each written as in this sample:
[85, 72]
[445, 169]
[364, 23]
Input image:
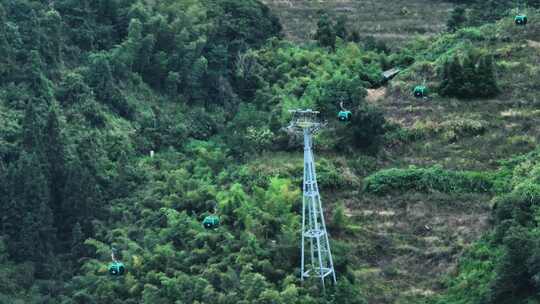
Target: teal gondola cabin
[211, 222]
[116, 269]
[420, 91]
[344, 115]
[521, 20]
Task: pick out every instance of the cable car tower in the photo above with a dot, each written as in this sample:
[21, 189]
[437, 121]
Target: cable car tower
[318, 262]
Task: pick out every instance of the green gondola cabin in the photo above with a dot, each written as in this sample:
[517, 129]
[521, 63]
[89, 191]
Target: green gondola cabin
[420, 91]
[521, 20]
[117, 269]
[344, 115]
[211, 222]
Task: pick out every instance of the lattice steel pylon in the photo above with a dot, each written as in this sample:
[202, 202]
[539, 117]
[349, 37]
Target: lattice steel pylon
[318, 263]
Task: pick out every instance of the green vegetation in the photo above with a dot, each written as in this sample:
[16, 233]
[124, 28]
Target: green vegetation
[473, 77]
[89, 89]
[503, 267]
[157, 128]
[426, 180]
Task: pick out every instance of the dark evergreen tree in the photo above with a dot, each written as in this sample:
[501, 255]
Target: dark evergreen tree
[7, 35]
[470, 79]
[486, 71]
[533, 263]
[32, 127]
[73, 89]
[218, 68]
[100, 77]
[325, 34]
[39, 83]
[474, 77]
[354, 36]
[452, 77]
[55, 158]
[6, 199]
[51, 42]
[172, 83]
[77, 242]
[29, 217]
[457, 19]
[145, 54]
[196, 80]
[341, 27]
[81, 197]
[91, 23]
[367, 127]
[513, 279]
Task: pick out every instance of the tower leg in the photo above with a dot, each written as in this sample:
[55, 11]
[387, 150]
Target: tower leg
[303, 237]
[321, 264]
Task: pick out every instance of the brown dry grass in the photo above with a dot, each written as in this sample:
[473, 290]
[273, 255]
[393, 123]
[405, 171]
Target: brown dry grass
[391, 20]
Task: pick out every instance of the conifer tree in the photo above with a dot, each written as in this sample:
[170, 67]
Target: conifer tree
[512, 273]
[32, 127]
[326, 34]
[196, 79]
[145, 53]
[341, 27]
[29, 216]
[77, 239]
[52, 42]
[172, 83]
[81, 197]
[457, 19]
[73, 89]
[100, 77]
[470, 79]
[39, 83]
[55, 162]
[6, 49]
[4, 194]
[488, 83]
[474, 77]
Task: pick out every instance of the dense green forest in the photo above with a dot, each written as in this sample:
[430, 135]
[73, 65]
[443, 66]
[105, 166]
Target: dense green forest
[124, 123]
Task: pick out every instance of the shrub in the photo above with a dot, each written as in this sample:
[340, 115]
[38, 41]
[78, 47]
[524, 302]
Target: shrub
[396, 135]
[329, 176]
[457, 19]
[469, 77]
[462, 127]
[365, 129]
[427, 180]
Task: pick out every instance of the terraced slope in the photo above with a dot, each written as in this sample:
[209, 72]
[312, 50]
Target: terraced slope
[426, 233]
[408, 243]
[391, 20]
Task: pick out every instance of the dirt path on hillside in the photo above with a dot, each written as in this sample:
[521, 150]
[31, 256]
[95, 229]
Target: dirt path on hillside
[374, 95]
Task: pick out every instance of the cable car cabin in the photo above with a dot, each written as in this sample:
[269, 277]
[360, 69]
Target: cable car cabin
[420, 91]
[521, 20]
[211, 222]
[117, 269]
[344, 115]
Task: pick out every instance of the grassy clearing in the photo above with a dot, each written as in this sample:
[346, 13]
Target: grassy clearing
[407, 242]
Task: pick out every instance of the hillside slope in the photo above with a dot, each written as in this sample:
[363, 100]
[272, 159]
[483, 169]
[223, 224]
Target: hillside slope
[393, 21]
[409, 243]
[126, 123]
[431, 231]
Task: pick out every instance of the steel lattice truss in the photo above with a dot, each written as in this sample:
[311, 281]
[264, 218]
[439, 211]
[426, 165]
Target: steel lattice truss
[318, 262]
